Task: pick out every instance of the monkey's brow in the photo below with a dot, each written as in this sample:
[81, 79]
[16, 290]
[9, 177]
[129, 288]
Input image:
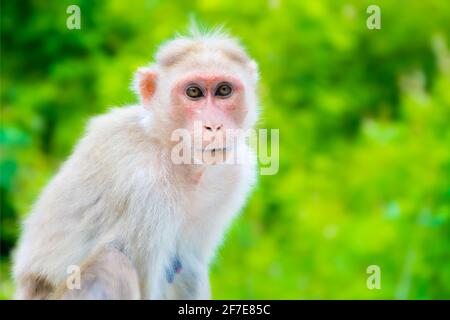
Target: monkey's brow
[208, 77]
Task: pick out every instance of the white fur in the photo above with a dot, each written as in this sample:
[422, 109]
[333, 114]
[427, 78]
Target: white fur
[120, 185]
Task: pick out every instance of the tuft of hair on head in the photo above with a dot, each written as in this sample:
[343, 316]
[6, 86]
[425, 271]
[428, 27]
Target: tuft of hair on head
[197, 39]
[199, 32]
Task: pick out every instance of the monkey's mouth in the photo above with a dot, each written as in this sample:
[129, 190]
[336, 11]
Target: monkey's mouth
[212, 150]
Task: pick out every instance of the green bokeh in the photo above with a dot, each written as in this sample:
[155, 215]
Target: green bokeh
[364, 133]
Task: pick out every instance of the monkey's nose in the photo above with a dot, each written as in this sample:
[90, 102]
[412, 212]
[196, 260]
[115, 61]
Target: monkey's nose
[213, 127]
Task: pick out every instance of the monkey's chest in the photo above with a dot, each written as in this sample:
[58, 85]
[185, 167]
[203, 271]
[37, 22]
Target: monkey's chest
[214, 187]
[209, 206]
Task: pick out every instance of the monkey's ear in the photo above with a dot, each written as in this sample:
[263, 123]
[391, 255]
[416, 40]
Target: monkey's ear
[144, 84]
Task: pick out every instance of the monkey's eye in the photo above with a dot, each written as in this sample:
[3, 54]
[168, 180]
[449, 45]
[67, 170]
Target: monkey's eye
[194, 92]
[224, 90]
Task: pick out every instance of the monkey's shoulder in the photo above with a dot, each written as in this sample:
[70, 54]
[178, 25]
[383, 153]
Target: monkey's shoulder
[117, 120]
[118, 133]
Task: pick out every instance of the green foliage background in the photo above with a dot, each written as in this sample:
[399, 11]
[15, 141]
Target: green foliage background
[364, 133]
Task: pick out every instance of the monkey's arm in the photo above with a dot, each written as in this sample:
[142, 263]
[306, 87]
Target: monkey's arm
[109, 275]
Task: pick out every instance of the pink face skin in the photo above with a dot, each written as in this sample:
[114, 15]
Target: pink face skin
[215, 112]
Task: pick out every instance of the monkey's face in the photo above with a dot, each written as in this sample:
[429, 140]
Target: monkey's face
[211, 106]
[204, 87]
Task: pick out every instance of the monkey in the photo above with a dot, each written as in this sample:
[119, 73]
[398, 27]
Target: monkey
[138, 224]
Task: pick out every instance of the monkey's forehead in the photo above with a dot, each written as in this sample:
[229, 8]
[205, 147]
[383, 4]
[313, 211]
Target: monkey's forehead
[206, 72]
[201, 50]
[209, 64]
